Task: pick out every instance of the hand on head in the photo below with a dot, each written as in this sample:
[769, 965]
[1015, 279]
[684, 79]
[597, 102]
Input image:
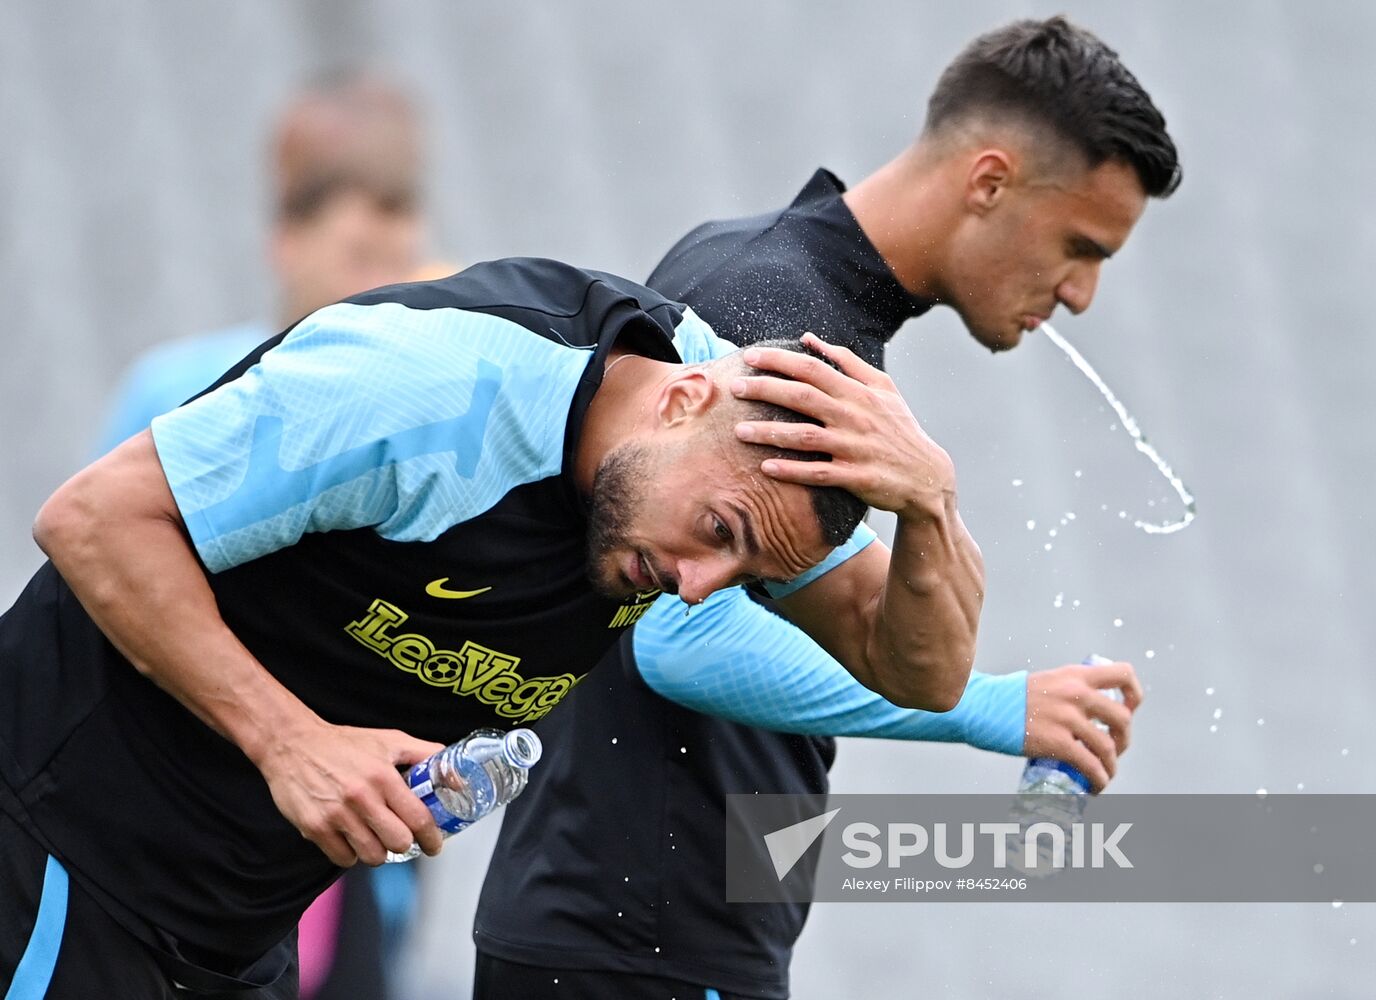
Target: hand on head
[878, 451]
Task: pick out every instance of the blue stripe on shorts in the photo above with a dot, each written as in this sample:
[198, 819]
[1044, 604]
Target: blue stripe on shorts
[35, 969]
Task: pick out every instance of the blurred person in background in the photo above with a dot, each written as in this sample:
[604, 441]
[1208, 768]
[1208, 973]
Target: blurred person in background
[347, 179]
[347, 187]
[1037, 158]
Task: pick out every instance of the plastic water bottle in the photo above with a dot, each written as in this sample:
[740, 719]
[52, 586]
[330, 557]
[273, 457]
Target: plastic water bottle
[467, 780]
[1052, 791]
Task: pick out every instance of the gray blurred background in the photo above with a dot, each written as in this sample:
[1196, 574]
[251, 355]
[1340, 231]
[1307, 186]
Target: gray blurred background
[133, 208]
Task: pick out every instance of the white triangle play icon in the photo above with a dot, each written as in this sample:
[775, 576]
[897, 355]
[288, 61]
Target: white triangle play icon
[786, 846]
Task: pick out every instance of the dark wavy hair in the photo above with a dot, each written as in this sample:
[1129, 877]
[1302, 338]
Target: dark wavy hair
[1059, 77]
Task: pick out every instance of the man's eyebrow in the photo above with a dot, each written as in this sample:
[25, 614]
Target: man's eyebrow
[752, 544]
[1086, 247]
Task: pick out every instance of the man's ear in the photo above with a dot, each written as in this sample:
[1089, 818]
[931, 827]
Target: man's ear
[687, 396]
[991, 173]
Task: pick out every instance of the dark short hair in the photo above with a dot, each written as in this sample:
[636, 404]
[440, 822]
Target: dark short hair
[838, 511]
[1058, 76]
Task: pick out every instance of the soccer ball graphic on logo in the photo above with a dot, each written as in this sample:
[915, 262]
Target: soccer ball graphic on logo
[442, 669]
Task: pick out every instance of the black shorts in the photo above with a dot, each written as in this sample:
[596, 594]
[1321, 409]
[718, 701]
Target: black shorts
[57, 943]
[498, 979]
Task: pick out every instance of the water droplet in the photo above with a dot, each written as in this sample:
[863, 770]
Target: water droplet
[656, 949]
[1299, 787]
[1261, 722]
[682, 749]
[1150, 654]
[1122, 513]
[1117, 623]
[1052, 532]
[1218, 713]
[626, 879]
[1209, 691]
[1031, 525]
[1078, 473]
[613, 741]
[618, 913]
[1046, 547]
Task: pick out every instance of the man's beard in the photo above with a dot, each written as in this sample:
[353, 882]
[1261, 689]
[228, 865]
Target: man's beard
[617, 495]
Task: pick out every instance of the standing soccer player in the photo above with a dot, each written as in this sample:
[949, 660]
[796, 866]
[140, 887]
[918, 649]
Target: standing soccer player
[1038, 155]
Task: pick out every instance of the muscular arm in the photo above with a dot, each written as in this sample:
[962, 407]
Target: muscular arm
[115, 534]
[904, 623]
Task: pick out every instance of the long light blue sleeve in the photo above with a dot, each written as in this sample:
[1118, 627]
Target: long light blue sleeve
[732, 658]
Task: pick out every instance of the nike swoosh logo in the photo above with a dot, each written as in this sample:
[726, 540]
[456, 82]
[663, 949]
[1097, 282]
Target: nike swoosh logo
[437, 588]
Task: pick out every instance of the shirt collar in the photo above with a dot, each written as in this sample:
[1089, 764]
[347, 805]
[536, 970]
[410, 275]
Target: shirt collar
[862, 271]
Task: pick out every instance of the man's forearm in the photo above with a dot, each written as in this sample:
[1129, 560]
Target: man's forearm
[922, 644]
[904, 628]
[903, 622]
[114, 535]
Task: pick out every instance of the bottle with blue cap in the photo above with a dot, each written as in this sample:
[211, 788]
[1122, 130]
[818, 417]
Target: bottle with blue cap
[1048, 775]
[1051, 791]
[467, 780]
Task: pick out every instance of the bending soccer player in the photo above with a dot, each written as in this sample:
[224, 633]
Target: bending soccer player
[430, 508]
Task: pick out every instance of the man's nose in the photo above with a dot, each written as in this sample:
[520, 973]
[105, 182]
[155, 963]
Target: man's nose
[700, 578]
[1076, 292]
